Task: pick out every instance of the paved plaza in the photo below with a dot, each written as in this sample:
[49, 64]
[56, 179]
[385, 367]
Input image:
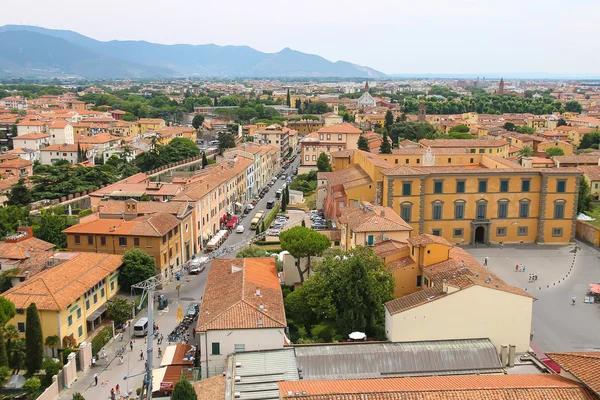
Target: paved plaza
[562, 274]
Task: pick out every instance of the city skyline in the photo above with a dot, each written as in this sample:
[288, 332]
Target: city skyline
[474, 38]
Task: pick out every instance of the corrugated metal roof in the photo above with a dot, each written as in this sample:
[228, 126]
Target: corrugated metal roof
[376, 360]
[259, 373]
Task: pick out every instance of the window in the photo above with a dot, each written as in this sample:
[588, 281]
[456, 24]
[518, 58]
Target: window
[21, 327]
[503, 209]
[471, 151]
[216, 348]
[122, 241]
[522, 231]
[459, 209]
[20, 311]
[557, 232]
[87, 304]
[170, 234]
[102, 292]
[80, 330]
[102, 240]
[341, 204]
[314, 158]
[457, 232]
[239, 347]
[165, 257]
[559, 209]
[70, 320]
[524, 209]
[426, 282]
[370, 240]
[525, 185]
[112, 285]
[481, 209]
[500, 231]
[419, 280]
[136, 242]
[95, 298]
[336, 243]
[78, 313]
[321, 136]
[170, 252]
[175, 230]
[482, 186]
[90, 239]
[406, 189]
[339, 137]
[504, 185]
[561, 186]
[406, 211]
[435, 232]
[482, 151]
[328, 136]
[438, 187]
[77, 239]
[460, 186]
[306, 158]
[437, 210]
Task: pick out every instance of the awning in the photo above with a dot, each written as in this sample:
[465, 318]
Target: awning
[240, 205]
[96, 313]
[595, 288]
[205, 236]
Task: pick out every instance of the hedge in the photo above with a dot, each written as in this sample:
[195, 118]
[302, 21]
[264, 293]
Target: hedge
[265, 243]
[271, 216]
[101, 338]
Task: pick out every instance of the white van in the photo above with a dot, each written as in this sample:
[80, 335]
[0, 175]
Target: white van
[141, 327]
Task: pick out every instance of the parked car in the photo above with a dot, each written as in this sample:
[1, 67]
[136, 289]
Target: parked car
[318, 227]
[278, 194]
[277, 225]
[280, 215]
[249, 207]
[239, 229]
[193, 310]
[197, 265]
[273, 232]
[283, 176]
[270, 204]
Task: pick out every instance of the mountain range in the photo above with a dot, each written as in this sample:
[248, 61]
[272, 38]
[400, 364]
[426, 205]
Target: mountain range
[29, 51]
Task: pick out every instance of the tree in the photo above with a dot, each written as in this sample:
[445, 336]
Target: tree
[119, 310]
[183, 390]
[252, 252]
[288, 100]
[459, 135]
[561, 122]
[389, 120]
[51, 226]
[386, 147]
[303, 223]
[7, 311]
[346, 289]
[17, 354]
[129, 117]
[363, 143]
[283, 201]
[525, 130]
[589, 140]
[3, 353]
[78, 396]
[573, 106]
[34, 343]
[462, 128]
[554, 151]
[19, 195]
[226, 141]
[323, 163]
[197, 121]
[584, 202]
[32, 385]
[509, 126]
[303, 242]
[137, 266]
[526, 152]
[51, 368]
[80, 156]
[52, 342]
[204, 160]
[5, 374]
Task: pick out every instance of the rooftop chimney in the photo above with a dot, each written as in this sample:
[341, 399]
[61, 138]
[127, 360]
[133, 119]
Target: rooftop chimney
[383, 213]
[258, 292]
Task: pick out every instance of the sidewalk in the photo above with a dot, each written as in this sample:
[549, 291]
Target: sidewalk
[553, 264]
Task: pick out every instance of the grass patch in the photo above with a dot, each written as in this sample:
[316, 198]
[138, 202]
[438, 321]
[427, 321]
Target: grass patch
[594, 213]
[310, 201]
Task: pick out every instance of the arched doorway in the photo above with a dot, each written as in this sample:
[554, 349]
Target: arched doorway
[480, 234]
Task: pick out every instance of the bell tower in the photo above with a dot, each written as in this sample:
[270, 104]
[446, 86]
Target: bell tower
[422, 110]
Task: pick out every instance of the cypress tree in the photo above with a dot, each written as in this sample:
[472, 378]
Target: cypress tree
[183, 390]
[204, 160]
[34, 342]
[283, 201]
[289, 102]
[3, 355]
[385, 148]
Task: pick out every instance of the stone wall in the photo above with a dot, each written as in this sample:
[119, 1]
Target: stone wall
[51, 392]
[70, 370]
[588, 233]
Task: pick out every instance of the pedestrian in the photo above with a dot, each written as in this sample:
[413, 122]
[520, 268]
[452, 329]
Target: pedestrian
[118, 389]
[95, 379]
[141, 355]
[159, 353]
[535, 276]
[531, 335]
[112, 393]
[529, 278]
[120, 359]
[93, 362]
[485, 261]
[131, 345]
[121, 336]
[574, 299]
[104, 354]
[516, 267]
[502, 245]
[523, 267]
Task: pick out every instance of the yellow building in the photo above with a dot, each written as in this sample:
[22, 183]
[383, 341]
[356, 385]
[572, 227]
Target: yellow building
[150, 124]
[478, 198]
[368, 121]
[163, 236]
[71, 296]
[327, 140]
[567, 148]
[305, 126]
[591, 173]
[495, 147]
[126, 129]
[455, 297]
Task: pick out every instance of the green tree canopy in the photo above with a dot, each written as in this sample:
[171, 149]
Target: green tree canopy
[19, 194]
[590, 139]
[303, 242]
[389, 120]
[183, 390]
[197, 121]
[50, 226]
[34, 342]
[3, 353]
[363, 143]
[226, 141]
[526, 151]
[386, 147]
[323, 164]
[459, 135]
[346, 289]
[78, 396]
[584, 202]
[129, 117]
[32, 385]
[573, 106]
[509, 126]
[137, 266]
[7, 311]
[252, 252]
[554, 151]
[52, 342]
[525, 129]
[460, 128]
[5, 374]
[119, 310]
[561, 122]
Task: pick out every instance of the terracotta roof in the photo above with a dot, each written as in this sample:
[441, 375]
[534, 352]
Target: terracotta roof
[422, 150]
[427, 239]
[455, 387]
[20, 250]
[15, 163]
[8, 183]
[463, 143]
[55, 288]
[211, 388]
[371, 218]
[340, 128]
[33, 135]
[62, 147]
[235, 290]
[578, 159]
[157, 225]
[585, 366]
[342, 153]
[119, 207]
[403, 170]
[58, 124]
[99, 138]
[388, 247]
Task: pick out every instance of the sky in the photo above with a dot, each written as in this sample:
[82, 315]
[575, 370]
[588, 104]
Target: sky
[549, 37]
